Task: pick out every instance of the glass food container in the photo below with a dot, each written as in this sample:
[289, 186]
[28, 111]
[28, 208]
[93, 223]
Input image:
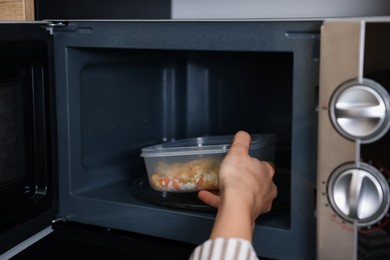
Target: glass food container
[192, 164]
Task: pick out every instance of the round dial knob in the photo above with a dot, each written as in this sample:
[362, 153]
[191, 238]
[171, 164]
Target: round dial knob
[361, 110]
[359, 194]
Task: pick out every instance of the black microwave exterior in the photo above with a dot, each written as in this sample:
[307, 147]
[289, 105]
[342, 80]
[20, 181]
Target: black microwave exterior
[107, 108]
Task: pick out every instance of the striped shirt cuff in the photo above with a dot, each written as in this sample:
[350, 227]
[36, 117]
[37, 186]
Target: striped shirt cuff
[224, 248]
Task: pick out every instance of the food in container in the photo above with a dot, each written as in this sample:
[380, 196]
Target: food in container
[192, 164]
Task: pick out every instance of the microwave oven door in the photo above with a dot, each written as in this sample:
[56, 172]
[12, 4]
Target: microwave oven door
[27, 141]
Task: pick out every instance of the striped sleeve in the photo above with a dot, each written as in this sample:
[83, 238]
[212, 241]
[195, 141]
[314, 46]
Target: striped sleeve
[224, 249]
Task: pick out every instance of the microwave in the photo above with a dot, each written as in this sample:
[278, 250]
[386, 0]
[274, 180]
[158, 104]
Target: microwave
[80, 99]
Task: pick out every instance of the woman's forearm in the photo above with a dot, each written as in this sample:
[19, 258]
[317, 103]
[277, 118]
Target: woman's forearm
[234, 219]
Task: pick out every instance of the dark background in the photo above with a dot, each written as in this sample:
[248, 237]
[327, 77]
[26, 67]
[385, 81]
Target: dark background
[102, 9]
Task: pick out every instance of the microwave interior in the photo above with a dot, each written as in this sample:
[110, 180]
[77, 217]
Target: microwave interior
[122, 86]
[130, 99]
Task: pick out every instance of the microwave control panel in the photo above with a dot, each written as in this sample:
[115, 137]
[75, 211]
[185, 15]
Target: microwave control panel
[353, 195]
[358, 191]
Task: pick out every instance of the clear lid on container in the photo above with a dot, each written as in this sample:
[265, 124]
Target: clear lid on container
[203, 145]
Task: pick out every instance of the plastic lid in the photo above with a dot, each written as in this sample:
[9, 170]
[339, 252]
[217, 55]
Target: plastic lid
[202, 145]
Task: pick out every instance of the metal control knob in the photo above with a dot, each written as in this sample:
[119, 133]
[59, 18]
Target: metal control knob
[359, 195]
[361, 110]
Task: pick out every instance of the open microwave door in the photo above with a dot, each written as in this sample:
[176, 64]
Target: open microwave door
[27, 136]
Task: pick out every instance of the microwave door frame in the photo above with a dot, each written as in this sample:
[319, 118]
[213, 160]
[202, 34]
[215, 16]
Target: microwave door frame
[26, 243]
[28, 231]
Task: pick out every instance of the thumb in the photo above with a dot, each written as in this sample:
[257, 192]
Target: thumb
[209, 198]
[241, 143]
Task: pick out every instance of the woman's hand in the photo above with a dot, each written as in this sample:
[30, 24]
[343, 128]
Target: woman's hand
[246, 190]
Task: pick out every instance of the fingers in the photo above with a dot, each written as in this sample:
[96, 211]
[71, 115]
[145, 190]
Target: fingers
[270, 166]
[273, 194]
[241, 143]
[209, 198]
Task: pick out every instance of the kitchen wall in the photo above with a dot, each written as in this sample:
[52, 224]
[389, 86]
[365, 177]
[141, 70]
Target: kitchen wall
[17, 10]
[278, 8]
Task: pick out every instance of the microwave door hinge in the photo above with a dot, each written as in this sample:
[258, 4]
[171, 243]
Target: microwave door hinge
[51, 25]
[54, 221]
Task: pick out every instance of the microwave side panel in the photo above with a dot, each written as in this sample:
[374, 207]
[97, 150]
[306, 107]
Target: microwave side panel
[340, 56]
[28, 143]
[121, 86]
